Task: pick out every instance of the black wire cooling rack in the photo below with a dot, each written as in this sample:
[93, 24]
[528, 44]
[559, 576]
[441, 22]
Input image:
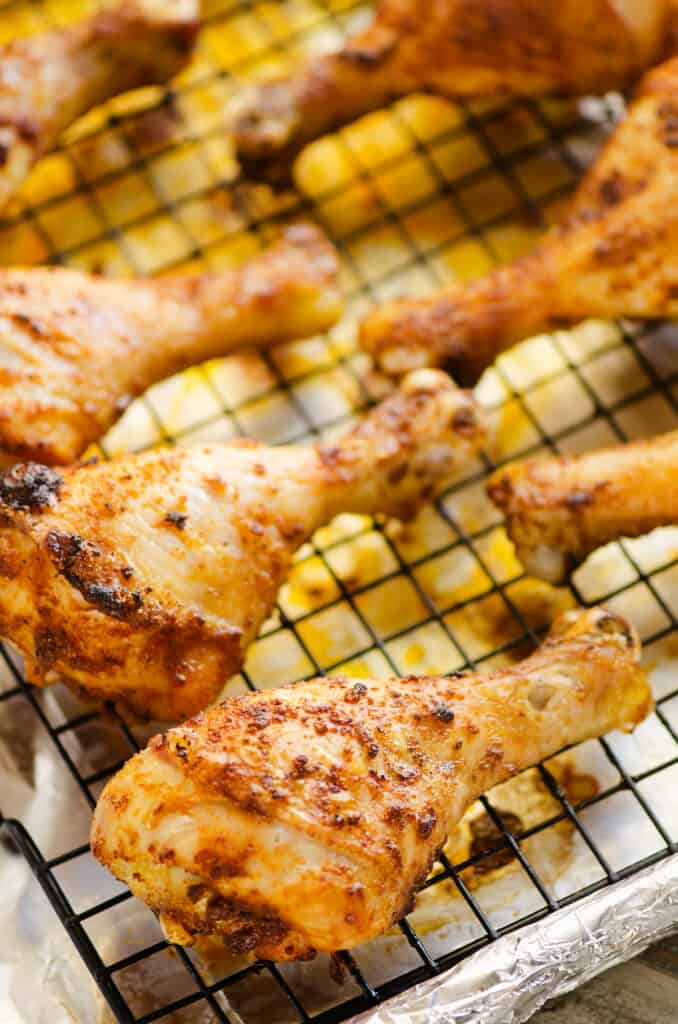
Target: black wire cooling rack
[453, 189]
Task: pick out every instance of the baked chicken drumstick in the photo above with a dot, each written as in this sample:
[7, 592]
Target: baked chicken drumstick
[48, 81]
[143, 580]
[304, 819]
[613, 256]
[559, 510]
[455, 48]
[75, 349]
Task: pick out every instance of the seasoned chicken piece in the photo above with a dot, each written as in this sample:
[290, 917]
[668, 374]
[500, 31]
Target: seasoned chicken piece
[456, 48]
[305, 818]
[48, 81]
[613, 256]
[144, 580]
[76, 349]
[559, 510]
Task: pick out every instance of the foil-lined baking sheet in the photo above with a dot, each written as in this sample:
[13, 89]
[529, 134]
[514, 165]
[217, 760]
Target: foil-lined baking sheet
[420, 194]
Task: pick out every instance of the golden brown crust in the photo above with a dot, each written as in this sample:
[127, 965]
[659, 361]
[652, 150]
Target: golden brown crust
[559, 510]
[47, 81]
[76, 349]
[463, 328]
[144, 579]
[305, 818]
[95, 616]
[612, 256]
[456, 48]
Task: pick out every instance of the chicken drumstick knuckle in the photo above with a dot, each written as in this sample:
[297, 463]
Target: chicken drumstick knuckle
[304, 819]
[559, 510]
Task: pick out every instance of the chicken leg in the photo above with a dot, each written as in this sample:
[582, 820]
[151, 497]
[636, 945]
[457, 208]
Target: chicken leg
[559, 510]
[75, 349]
[613, 256]
[145, 579]
[456, 48]
[48, 81]
[305, 818]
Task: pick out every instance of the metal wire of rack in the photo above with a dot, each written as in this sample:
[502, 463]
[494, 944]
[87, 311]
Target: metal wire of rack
[428, 195]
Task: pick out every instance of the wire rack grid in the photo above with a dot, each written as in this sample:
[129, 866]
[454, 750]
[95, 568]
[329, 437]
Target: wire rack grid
[413, 196]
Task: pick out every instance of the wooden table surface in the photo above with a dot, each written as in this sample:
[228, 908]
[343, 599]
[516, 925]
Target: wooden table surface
[644, 991]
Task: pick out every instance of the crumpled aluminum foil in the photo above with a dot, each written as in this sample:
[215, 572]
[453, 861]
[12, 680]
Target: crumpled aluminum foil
[507, 982]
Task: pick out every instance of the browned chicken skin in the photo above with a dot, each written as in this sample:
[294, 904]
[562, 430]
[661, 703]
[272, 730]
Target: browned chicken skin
[75, 349]
[456, 48]
[48, 81]
[144, 580]
[613, 256]
[559, 510]
[304, 818]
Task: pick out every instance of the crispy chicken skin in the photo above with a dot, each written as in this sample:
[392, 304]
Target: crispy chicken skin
[456, 48]
[75, 349]
[559, 510]
[143, 580]
[304, 819]
[49, 80]
[614, 255]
